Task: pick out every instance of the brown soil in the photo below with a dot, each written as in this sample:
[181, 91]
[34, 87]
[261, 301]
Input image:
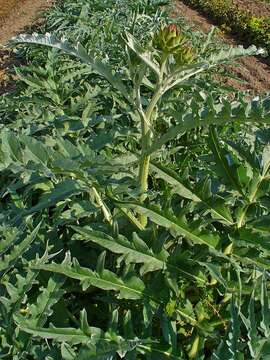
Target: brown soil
[19, 17]
[256, 8]
[252, 70]
[6, 6]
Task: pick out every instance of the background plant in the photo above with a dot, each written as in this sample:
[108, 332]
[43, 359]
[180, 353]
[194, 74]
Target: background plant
[241, 22]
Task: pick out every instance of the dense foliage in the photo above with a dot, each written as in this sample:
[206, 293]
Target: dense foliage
[134, 193]
[236, 19]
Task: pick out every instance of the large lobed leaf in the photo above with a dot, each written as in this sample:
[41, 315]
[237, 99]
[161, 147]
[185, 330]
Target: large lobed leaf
[79, 52]
[169, 221]
[129, 287]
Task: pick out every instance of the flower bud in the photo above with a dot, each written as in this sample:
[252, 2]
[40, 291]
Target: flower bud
[185, 56]
[168, 39]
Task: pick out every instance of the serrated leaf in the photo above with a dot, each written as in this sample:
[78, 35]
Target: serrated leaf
[265, 323]
[187, 192]
[11, 147]
[69, 335]
[79, 52]
[108, 350]
[159, 352]
[254, 111]
[34, 150]
[8, 237]
[170, 222]
[62, 191]
[122, 245]
[133, 253]
[130, 287]
[266, 159]
[42, 309]
[221, 160]
[8, 260]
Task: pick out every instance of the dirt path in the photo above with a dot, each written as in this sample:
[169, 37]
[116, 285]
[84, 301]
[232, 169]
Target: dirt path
[252, 70]
[19, 17]
[6, 7]
[258, 9]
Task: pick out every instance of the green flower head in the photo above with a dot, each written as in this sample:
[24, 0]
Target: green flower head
[170, 41]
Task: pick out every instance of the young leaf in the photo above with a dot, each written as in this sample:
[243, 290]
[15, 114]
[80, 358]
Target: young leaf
[143, 54]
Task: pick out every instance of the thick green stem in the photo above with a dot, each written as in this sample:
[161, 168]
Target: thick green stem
[144, 166]
[143, 175]
[146, 123]
[146, 143]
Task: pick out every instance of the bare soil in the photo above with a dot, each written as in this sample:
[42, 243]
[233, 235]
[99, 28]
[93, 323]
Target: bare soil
[18, 15]
[256, 8]
[6, 6]
[21, 16]
[254, 71]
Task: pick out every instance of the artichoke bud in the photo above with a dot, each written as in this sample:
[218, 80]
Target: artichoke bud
[184, 57]
[170, 41]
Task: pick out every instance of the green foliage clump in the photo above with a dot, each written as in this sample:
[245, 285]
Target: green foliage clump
[134, 213]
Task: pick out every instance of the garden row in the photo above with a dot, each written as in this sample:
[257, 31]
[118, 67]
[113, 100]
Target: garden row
[237, 20]
[134, 212]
